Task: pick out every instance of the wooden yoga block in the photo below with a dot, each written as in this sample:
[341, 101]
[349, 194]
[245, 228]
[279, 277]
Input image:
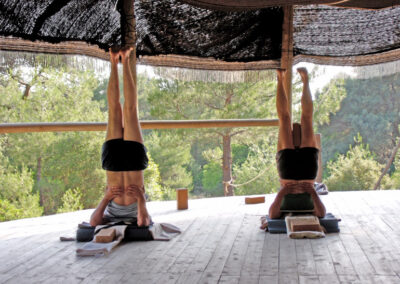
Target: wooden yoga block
[182, 198]
[105, 235]
[254, 200]
[309, 224]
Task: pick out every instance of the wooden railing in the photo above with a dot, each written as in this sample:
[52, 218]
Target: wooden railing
[147, 124]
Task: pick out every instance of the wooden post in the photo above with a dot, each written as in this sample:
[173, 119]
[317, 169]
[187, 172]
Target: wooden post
[182, 198]
[287, 51]
[319, 174]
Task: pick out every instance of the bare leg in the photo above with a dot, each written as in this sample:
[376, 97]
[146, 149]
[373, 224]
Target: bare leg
[285, 139]
[307, 131]
[132, 129]
[132, 132]
[114, 125]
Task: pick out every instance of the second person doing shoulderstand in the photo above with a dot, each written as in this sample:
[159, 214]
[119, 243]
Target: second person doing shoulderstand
[297, 166]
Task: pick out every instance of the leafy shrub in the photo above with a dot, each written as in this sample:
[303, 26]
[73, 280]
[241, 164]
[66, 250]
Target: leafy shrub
[258, 173]
[356, 170]
[17, 200]
[212, 177]
[71, 201]
[51, 193]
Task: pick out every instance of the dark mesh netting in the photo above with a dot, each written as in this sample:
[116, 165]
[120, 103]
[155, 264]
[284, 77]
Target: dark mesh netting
[171, 27]
[327, 31]
[92, 21]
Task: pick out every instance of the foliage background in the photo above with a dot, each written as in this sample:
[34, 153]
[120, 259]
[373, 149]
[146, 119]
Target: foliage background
[47, 173]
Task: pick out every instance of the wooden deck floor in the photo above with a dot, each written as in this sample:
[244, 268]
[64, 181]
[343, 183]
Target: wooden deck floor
[221, 243]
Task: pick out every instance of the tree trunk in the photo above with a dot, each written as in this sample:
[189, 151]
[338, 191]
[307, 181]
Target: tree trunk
[38, 178]
[26, 92]
[227, 165]
[389, 163]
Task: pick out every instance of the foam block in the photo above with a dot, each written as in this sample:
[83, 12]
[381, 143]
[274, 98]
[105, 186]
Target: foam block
[254, 200]
[105, 235]
[310, 224]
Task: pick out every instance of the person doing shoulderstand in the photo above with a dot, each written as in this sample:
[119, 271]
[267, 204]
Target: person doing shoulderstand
[297, 167]
[123, 154]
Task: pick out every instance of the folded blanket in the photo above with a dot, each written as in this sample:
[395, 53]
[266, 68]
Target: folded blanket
[98, 249]
[158, 232]
[302, 234]
[164, 231]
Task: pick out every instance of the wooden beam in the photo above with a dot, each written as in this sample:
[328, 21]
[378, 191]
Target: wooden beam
[287, 51]
[148, 124]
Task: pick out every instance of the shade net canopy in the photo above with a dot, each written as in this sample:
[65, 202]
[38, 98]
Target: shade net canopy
[175, 33]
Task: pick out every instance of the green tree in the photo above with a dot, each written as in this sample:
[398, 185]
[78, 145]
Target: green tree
[212, 175]
[370, 107]
[357, 170]
[173, 99]
[17, 199]
[258, 174]
[173, 155]
[71, 201]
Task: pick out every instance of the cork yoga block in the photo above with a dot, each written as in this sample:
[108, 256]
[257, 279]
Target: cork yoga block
[105, 235]
[254, 200]
[309, 224]
[182, 198]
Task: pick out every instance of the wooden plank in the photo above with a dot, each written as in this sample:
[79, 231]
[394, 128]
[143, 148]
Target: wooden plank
[235, 261]
[182, 263]
[270, 255]
[305, 258]
[387, 246]
[380, 279]
[359, 260]
[229, 279]
[366, 251]
[217, 262]
[288, 278]
[164, 278]
[377, 257]
[252, 259]
[268, 279]
[287, 256]
[322, 258]
[166, 260]
[160, 249]
[26, 260]
[341, 260]
[203, 257]
[331, 279]
[249, 279]
[308, 279]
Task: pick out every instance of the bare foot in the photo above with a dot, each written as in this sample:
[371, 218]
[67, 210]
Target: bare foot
[281, 73]
[264, 223]
[125, 52]
[303, 74]
[143, 217]
[114, 56]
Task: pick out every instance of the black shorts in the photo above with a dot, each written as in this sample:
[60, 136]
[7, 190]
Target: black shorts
[122, 155]
[298, 164]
